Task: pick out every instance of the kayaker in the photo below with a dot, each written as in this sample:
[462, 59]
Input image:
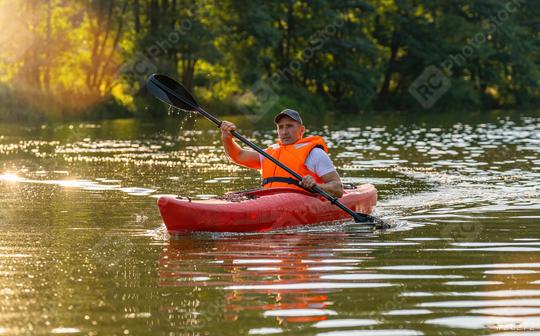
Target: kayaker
[306, 156]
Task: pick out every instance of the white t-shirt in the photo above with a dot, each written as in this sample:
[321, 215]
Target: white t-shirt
[317, 161]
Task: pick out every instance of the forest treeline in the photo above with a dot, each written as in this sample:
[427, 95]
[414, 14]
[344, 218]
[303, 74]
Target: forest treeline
[90, 58]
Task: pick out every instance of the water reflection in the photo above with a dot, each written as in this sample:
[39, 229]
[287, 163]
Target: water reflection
[284, 280]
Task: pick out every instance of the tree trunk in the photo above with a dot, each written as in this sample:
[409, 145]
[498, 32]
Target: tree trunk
[106, 66]
[153, 13]
[394, 46]
[99, 44]
[137, 16]
[47, 65]
[290, 24]
[29, 73]
[188, 71]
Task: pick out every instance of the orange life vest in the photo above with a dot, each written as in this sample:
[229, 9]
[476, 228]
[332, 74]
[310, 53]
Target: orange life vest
[292, 156]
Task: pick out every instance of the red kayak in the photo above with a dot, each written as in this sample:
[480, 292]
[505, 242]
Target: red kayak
[261, 210]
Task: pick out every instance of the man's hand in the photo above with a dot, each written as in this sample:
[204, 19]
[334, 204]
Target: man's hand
[308, 182]
[226, 128]
[245, 157]
[332, 183]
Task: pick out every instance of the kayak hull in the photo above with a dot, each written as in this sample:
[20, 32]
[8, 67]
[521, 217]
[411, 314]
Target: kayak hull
[267, 209]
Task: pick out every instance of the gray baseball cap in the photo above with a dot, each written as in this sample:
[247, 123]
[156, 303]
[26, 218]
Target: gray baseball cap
[289, 113]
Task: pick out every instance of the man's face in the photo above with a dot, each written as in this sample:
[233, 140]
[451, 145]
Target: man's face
[289, 130]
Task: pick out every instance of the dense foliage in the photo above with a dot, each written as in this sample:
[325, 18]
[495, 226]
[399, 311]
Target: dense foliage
[91, 57]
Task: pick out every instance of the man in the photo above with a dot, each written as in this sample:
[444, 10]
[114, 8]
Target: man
[306, 156]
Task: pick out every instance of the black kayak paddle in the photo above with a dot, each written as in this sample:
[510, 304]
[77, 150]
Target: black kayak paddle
[173, 93]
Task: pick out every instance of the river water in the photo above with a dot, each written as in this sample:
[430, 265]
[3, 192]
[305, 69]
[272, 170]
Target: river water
[84, 251]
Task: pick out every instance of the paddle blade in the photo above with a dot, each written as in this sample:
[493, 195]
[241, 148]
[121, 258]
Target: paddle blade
[376, 222]
[171, 92]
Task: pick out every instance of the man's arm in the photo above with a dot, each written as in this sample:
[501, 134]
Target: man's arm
[244, 157]
[332, 183]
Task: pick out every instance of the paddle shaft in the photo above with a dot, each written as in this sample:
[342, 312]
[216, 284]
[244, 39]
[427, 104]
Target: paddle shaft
[358, 217]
